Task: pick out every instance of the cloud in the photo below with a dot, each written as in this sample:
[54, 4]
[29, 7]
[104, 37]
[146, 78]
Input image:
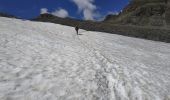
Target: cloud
[60, 13]
[87, 7]
[43, 10]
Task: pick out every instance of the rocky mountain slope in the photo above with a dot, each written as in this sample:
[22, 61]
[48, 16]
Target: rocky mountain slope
[144, 13]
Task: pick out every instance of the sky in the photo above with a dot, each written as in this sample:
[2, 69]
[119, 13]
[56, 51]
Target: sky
[79, 9]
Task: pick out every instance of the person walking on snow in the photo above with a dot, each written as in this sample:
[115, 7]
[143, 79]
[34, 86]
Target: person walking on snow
[77, 30]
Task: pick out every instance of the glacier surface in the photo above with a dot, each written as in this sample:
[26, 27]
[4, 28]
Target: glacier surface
[45, 61]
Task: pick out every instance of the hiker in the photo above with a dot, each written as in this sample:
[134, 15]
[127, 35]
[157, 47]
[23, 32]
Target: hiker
[77, 30]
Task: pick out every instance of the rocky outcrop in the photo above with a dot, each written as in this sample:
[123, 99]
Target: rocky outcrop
[6, 15]
[145, 13]
[110, 17]
[167, 13]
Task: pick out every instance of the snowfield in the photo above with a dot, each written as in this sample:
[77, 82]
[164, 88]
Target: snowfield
[45, 61]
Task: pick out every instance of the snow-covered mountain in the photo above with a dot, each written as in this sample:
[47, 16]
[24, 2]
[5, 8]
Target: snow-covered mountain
[44, 61]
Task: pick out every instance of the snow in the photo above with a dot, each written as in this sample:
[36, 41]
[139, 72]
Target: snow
[44, 61]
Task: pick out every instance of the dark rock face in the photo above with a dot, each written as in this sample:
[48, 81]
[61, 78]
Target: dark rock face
[134, 4]
[46, 16]
[110, 17]
[7, 15]
[167, 14]
[145, 13]
[149, 15]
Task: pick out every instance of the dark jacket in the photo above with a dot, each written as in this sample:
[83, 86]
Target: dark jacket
[76, 28]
